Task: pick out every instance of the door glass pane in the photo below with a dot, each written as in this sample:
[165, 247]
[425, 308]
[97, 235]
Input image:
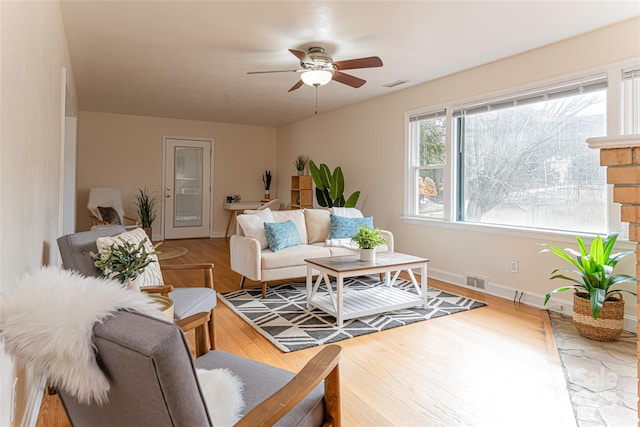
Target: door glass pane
[188, 187]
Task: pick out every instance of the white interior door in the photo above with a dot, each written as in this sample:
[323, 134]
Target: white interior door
[187, 189]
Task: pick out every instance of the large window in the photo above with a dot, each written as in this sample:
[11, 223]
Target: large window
[523, 160]
[428, 135]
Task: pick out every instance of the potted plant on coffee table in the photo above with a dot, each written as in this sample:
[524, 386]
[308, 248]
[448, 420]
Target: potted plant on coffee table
[147, 205]
[368, 239]
[598, 309]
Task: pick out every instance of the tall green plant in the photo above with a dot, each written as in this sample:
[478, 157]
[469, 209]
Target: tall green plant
[330, 187]
[594, 269]
[146, 205]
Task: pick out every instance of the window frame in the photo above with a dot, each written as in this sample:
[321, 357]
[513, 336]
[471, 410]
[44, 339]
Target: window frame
[412, 146]
[452, 180]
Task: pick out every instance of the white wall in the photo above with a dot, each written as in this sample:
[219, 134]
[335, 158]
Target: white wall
[368, 141]
[34, 53]
[124, 151]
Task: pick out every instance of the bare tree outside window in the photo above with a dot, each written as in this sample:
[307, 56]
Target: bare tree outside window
[529, 165]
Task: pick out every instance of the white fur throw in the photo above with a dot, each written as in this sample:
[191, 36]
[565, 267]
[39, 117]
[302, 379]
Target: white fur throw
[47, 324]
[222, 392]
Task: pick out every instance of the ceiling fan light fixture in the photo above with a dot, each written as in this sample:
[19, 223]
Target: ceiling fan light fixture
[316, 77]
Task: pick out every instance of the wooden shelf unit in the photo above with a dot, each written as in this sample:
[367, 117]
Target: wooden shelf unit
[301, 192]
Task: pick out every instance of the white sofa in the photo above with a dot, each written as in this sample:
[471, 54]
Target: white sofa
[252, 258]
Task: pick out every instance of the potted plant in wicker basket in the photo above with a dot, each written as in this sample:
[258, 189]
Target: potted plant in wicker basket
[598, 309]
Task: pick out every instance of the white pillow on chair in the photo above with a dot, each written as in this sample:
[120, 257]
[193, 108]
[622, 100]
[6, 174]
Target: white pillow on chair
[152, 275]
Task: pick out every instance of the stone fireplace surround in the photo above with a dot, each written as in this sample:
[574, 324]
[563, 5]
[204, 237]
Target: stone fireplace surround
[621, 156]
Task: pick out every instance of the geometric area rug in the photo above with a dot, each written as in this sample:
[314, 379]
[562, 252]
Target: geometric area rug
[283, 318]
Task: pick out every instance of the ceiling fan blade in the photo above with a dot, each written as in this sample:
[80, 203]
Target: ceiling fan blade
[302, 56]
[275, 71]
[350, 64]
[348, 79]
[296, 86]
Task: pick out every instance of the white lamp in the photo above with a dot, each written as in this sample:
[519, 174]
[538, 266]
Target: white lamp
[316, 77]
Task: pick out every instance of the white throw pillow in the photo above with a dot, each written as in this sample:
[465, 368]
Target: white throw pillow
[252, 225]
[347, 212]
[152, 275]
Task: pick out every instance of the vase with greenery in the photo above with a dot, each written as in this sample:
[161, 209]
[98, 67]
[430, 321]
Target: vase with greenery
[123, 261]
[301, 163]
[330, 187]
[266, 179]
[594, 279]
[368, 239]
[147, 208]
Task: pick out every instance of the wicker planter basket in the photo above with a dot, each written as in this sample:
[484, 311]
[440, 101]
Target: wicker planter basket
[609, 324]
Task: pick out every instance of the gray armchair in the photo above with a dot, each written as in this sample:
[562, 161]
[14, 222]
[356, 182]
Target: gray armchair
[187, 301]
[153, 382]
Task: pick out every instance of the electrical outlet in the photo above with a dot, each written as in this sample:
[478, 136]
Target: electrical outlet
[514, 266]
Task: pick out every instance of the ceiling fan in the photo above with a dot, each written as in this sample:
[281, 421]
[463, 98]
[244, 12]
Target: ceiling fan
[318, 68]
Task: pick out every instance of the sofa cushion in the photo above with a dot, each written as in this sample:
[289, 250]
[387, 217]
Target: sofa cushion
[344, 228]
[292, 256]
[281, 235]
[297, 217]
[318, 227]
[252, 225]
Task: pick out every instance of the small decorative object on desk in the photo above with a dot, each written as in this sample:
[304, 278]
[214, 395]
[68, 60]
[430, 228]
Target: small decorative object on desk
[266, 179]
[229, 199]
[236, 198]
[301, 163]
[368, 239]
[123, 262]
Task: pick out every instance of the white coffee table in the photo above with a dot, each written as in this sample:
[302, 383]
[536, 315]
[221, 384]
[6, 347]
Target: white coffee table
[359, 303]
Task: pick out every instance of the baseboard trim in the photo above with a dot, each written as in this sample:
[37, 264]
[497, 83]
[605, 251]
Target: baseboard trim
[519, 296]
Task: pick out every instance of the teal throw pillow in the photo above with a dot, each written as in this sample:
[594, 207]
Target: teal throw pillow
[281, 235]
[345, 228]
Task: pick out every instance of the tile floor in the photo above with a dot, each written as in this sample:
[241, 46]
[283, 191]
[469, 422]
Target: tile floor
[601, 376]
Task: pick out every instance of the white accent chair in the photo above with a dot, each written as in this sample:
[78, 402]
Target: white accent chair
[106, 208]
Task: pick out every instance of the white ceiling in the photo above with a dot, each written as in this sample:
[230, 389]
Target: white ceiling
[189, 59]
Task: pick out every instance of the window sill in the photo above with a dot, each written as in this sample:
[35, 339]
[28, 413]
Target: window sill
[504, 230]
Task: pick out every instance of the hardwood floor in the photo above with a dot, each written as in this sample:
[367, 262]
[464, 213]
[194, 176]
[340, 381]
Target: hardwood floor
[493, 366]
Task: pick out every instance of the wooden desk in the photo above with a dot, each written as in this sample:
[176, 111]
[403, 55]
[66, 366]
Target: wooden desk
[235, 208]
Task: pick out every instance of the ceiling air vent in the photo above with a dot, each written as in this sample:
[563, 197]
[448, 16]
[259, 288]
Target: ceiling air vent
[396, 83]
